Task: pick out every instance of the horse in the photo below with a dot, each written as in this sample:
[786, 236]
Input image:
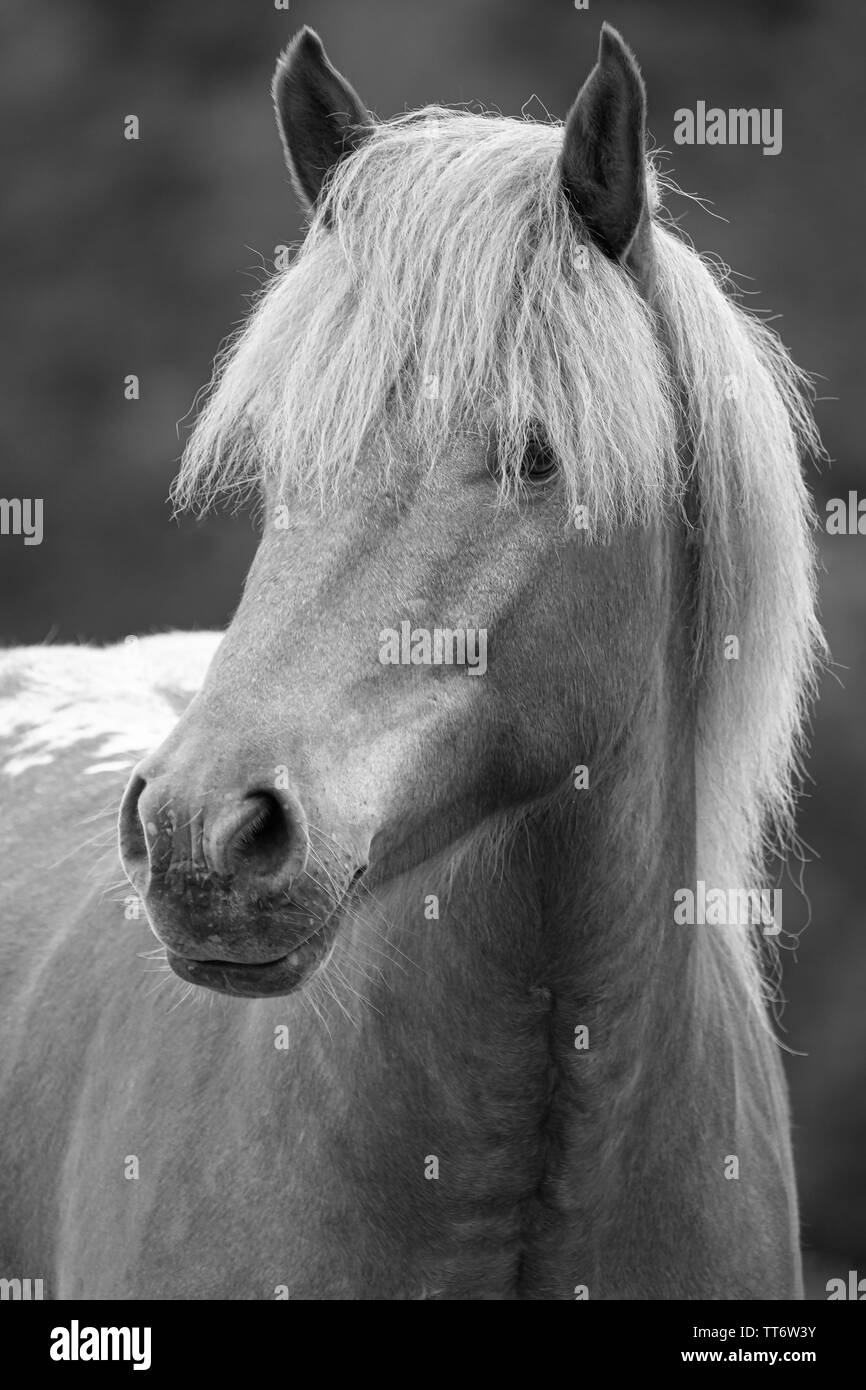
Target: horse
[437, 1028]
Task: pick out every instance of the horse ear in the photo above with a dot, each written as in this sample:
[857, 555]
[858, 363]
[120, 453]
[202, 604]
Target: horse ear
[602, 163]
[320, 117]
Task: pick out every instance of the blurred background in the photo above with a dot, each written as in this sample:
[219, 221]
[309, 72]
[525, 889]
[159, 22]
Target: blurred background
[121, 257]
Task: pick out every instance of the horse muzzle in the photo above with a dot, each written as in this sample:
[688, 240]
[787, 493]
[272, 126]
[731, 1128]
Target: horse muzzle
[232, 883]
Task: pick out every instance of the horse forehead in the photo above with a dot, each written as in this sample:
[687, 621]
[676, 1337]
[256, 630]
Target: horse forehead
[123, 700]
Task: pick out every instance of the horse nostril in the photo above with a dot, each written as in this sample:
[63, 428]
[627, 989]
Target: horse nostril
[262, 837]
[259, 836]
[262, 840]
[131, 835]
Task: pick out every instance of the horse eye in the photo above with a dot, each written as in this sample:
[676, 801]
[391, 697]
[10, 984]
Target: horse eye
[539, 461]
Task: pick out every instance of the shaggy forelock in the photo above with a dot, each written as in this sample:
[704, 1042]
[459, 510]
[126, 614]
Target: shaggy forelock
[443, 286]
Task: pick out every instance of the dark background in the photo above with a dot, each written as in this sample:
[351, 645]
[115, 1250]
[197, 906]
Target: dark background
[119, 257]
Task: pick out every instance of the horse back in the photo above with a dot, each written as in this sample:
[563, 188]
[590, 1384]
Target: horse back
[74, 721]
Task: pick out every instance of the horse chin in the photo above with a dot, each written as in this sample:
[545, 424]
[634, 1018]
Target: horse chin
[259, 979]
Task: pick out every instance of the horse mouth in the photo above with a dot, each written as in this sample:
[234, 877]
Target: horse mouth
[263, 979]
[245, 980]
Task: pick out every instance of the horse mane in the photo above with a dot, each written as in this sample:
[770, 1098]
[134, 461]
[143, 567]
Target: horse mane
[443, 286]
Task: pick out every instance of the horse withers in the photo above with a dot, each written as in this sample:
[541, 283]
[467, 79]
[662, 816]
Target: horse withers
[421, 1021]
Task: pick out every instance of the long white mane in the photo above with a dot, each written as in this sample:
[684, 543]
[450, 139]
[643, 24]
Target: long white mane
[443, 284]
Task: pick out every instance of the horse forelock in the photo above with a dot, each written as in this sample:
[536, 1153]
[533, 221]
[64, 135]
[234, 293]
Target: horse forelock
[444, 286]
